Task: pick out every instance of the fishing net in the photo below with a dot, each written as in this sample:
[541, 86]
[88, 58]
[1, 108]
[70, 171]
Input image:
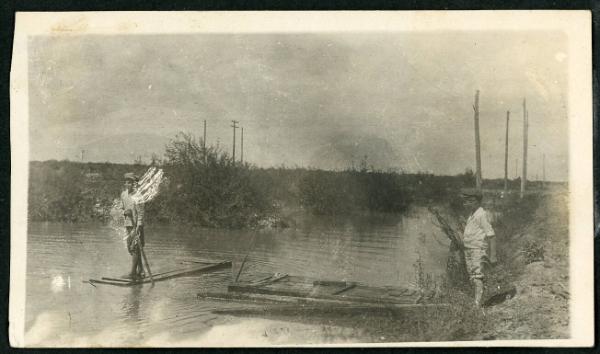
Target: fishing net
[148, 186]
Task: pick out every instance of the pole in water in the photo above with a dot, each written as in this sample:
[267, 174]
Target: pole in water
[245, 258]
[146, 261]
[144, 258]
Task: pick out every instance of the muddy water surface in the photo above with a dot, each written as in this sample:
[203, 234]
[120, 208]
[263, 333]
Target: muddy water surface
[63, 310]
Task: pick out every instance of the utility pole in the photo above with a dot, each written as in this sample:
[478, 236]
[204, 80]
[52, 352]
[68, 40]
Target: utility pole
[516, 168]
[544, 170]
[234, 124]
[506, 154]
[477, 142]
[242, 147]
[82, 152]
[204, 144]
[525, 132]
[204, 139]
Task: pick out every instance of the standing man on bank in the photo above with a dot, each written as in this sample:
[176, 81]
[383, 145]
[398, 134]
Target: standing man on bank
[134, 226]
[478, 237]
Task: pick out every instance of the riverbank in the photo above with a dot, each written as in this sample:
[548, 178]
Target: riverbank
[536, 261]
[533, 249]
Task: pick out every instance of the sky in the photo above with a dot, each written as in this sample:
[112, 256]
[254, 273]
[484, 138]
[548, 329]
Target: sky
[401, 100]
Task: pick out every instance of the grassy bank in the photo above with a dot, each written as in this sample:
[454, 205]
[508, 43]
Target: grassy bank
[536, 261]
[532, 235]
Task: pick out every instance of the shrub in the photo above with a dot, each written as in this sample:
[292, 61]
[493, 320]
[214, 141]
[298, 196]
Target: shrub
[206, 187]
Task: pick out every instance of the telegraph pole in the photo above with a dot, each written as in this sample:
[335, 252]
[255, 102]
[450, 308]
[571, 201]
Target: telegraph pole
[234, 124]
[506, 154]
[204, 144]
[525, 132]
[544, 170]
[204, 139]
[477, 142]
[242, 147]
[82, 152]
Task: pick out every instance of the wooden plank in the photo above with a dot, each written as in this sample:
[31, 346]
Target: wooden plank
[330, 283]
[200, 262]
[258, 281]
[163, 276]
[122, 280]
[96, 281]
[276, 278]
[398, 292]
[346, 288]
[167, 272]
[269, 280]
[310, 300]
[238, 288]
[193, 271]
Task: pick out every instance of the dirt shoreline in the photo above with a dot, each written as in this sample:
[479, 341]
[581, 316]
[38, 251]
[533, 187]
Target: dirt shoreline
[540, 308]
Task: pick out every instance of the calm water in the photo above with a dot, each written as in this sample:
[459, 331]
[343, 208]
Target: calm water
[61, 309]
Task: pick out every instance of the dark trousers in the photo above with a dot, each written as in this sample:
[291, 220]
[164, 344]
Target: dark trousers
[133, 249]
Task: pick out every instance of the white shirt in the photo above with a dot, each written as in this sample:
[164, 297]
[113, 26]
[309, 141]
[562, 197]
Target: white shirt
[478, 227]
[137, 210]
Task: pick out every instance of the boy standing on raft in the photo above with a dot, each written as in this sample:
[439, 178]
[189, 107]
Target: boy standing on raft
[477, 238]
[134, 226]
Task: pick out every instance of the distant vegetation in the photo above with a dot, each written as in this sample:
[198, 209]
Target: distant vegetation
[207, 188]
[71, 191]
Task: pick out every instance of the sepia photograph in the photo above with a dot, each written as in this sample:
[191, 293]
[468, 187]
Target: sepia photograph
[259, 179]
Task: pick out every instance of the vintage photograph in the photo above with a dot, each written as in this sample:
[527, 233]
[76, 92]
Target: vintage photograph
[301, 179]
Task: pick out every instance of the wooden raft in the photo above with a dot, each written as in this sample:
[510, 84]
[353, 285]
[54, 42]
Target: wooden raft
[296, 289]
[177, 273]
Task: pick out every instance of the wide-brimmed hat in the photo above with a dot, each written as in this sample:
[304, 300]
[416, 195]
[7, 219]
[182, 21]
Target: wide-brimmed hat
[131, 176]
[471, 194]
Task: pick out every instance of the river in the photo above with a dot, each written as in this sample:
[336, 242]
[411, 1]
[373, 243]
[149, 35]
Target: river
[63, 310]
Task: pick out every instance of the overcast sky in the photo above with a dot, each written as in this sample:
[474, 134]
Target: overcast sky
[325, 100]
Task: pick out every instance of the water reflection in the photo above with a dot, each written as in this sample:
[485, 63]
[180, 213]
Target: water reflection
[131, 303]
